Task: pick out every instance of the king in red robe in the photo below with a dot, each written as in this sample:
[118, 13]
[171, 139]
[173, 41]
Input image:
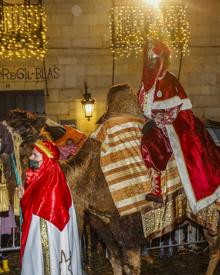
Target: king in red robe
[164, 100]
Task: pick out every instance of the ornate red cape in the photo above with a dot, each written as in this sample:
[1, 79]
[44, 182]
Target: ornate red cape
[47, 196]
[197, 156]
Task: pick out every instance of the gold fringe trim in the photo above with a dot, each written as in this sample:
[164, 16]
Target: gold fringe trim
[4, 198]
[43, 148]
[159, 220]
[45, 246]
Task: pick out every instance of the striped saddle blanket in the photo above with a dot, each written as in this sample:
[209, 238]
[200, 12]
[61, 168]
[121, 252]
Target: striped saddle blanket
[128, 180]
[123, 167]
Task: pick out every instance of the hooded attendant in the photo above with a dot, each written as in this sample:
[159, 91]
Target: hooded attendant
[50, 242]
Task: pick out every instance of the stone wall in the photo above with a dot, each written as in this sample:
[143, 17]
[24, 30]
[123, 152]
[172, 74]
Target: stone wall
[78, 46]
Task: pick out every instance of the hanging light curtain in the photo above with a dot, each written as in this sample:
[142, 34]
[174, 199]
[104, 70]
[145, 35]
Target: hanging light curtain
[22, 30]
[132, 22]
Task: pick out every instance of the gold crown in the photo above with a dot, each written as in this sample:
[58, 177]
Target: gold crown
[39, 143]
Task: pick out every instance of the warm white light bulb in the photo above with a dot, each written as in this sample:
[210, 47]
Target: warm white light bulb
[89, 109]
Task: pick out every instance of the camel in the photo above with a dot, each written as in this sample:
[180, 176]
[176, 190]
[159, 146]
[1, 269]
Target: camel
[123, 236]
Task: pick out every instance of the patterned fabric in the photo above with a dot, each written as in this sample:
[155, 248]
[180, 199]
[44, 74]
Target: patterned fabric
[165, 116]
[67, 150]
[159, 220]
[128, 180]
[123, 166]
[121, 162]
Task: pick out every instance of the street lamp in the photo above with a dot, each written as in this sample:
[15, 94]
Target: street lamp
[87, 103]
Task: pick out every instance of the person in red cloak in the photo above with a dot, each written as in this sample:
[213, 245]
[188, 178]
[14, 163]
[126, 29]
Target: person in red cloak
[173, 128]
[49, 228]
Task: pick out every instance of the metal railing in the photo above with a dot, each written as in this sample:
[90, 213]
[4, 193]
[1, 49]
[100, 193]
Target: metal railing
[183, 236]
[13, 242]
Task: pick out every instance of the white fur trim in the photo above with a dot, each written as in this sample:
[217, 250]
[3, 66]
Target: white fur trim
[148, 102]
[177, 150]
[186, 104]
[167, 103]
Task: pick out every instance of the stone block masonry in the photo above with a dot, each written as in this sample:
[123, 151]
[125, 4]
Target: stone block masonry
[78, 44]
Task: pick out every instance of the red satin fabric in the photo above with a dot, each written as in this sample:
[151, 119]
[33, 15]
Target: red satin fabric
[202, 156]
[170, 86]
[155, 149]
[46, 195]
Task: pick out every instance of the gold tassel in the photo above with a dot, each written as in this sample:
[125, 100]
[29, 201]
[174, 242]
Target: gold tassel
[16, 203]
[4, 198]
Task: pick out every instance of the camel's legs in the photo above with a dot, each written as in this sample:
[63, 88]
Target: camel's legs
[115, 261]
[214, 251]
[132, 262]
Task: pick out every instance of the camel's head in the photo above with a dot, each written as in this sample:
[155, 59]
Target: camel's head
[20, 128]
[26, 124]
[121, 100]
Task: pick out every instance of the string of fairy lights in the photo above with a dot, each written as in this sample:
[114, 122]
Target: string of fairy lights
[130, 26]
[22, 31]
